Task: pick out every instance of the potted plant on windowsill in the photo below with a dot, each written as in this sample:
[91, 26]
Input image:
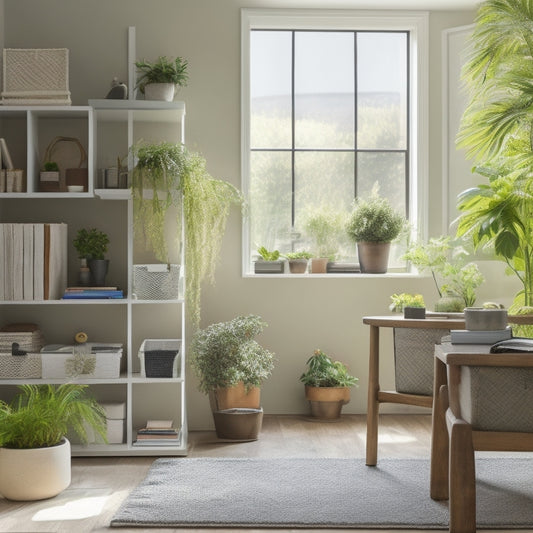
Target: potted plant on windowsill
[231, 366]
[327, 385]
[269, 262]
[298, 261]
[91, 245]
[34, 450]
[167, 179]
[159, 79]
[373, 224]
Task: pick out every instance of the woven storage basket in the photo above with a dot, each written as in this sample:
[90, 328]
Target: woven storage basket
[29, 341]
[156, 282]
[20, 366]
[35, 76]
[159, 358]
[414, 358]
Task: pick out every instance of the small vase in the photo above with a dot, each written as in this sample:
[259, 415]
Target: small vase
[85, 274]
[98, 268]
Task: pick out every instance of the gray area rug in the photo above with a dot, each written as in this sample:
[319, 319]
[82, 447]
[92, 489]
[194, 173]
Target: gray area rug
[306, 493]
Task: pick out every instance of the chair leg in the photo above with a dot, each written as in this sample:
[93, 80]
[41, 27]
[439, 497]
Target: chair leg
[439, 445]
[373, 403]
[462, 478]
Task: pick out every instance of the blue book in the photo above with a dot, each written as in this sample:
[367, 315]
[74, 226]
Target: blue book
[92, 294]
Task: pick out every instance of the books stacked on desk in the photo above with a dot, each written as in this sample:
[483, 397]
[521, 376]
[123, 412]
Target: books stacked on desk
[158, 433]
[89, 293]
[467, 336]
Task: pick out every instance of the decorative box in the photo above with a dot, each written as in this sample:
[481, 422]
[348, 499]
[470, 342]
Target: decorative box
[156, 282]
[159, 358]
[20, 366]
[84, 361]
[36, 76]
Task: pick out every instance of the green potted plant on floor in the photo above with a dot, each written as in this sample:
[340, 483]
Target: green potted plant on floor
[91, 245]
[327, 385]
[231, 366]
[159, 79]
[34, 450]
[373, 224]
[164, 175]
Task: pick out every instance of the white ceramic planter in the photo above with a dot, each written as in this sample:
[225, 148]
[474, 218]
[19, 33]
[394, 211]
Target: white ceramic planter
[160, 91]
[34, 474]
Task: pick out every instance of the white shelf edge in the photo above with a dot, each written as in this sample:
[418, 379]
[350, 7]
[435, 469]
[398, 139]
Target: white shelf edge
[113, 194]
[136, 105]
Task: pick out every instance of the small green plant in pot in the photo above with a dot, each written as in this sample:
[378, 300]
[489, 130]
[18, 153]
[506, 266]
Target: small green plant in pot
[269, 262]
[91, 245]
[327, 385]
[298, 261]
[34, 451]
[159, 79]
[373, 224]
[412, 305]
[231, 367]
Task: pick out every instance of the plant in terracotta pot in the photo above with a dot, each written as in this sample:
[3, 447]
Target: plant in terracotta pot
[164, 175]
[327, 385]
[231, 365]
[91, 245]
[160, 78]
[34, 450]
[373, 224]
[298, 261]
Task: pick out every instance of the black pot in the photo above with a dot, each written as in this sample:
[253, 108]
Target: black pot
[98, 268]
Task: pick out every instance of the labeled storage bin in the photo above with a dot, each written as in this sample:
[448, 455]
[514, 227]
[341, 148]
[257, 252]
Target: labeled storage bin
[156, 282]
[160, 358]
[20, 366]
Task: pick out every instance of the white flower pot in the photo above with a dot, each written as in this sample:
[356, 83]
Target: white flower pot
[160, 91]
[36, 473]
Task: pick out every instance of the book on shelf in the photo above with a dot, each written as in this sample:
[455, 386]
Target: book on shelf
[6, 161]
[466, 336]
[91, 288]
[158, 442]
[93, 294]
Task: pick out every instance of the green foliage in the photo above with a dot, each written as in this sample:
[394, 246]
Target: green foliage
[323, 371]
[374, 220]
[298, 255]
[171, 172]
[324, 225]
[446, 260]
[402, 300]
[225, 353]
[51, 166]
[163, 70]
[91, 243]
[268, 256]
[41, 415]
[497, 131]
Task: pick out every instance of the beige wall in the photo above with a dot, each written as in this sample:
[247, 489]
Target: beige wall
[303, 314]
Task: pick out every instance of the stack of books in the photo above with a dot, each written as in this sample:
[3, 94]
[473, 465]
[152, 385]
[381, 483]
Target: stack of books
[467, 336]
[88, 293]
[158, 433]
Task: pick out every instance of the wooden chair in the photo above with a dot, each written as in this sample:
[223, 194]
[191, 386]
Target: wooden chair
[414, 341]
[476, 410]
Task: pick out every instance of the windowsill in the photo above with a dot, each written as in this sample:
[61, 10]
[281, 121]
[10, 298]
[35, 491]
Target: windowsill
[357, 275]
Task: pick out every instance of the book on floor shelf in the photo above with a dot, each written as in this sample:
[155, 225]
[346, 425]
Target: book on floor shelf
[466, 336]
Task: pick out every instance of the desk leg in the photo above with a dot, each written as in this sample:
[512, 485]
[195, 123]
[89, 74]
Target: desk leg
[439, 435]
[373, 404]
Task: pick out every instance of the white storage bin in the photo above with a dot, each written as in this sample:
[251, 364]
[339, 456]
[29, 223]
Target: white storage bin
[115, 418]
[160, 358]
[105, 364]
[156, 282]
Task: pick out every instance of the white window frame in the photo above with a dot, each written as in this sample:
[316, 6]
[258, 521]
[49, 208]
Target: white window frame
[416, 23]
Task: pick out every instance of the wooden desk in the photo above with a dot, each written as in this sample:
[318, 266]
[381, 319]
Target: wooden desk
[453, 440]
[377, 396]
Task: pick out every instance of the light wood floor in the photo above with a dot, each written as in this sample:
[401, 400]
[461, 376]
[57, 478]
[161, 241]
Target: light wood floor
[99, 485]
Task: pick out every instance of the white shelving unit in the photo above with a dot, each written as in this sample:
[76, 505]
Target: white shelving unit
[107, 129]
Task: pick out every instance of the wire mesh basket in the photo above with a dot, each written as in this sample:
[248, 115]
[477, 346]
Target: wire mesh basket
[156, 282]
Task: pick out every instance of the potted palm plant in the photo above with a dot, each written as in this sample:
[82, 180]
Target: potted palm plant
[159, 79]
[373, 224]
[327, 385]
[34, 450]
[169, 178]
[91, 245]
[231, 366]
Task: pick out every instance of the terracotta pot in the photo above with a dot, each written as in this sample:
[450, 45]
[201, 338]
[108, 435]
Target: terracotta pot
[327, 402]
[373, 257]
[319, 265]
[35, 473]
[235, 397]
[298, 266]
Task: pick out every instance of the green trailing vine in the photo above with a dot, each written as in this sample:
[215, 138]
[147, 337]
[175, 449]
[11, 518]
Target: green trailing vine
[171, 172]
